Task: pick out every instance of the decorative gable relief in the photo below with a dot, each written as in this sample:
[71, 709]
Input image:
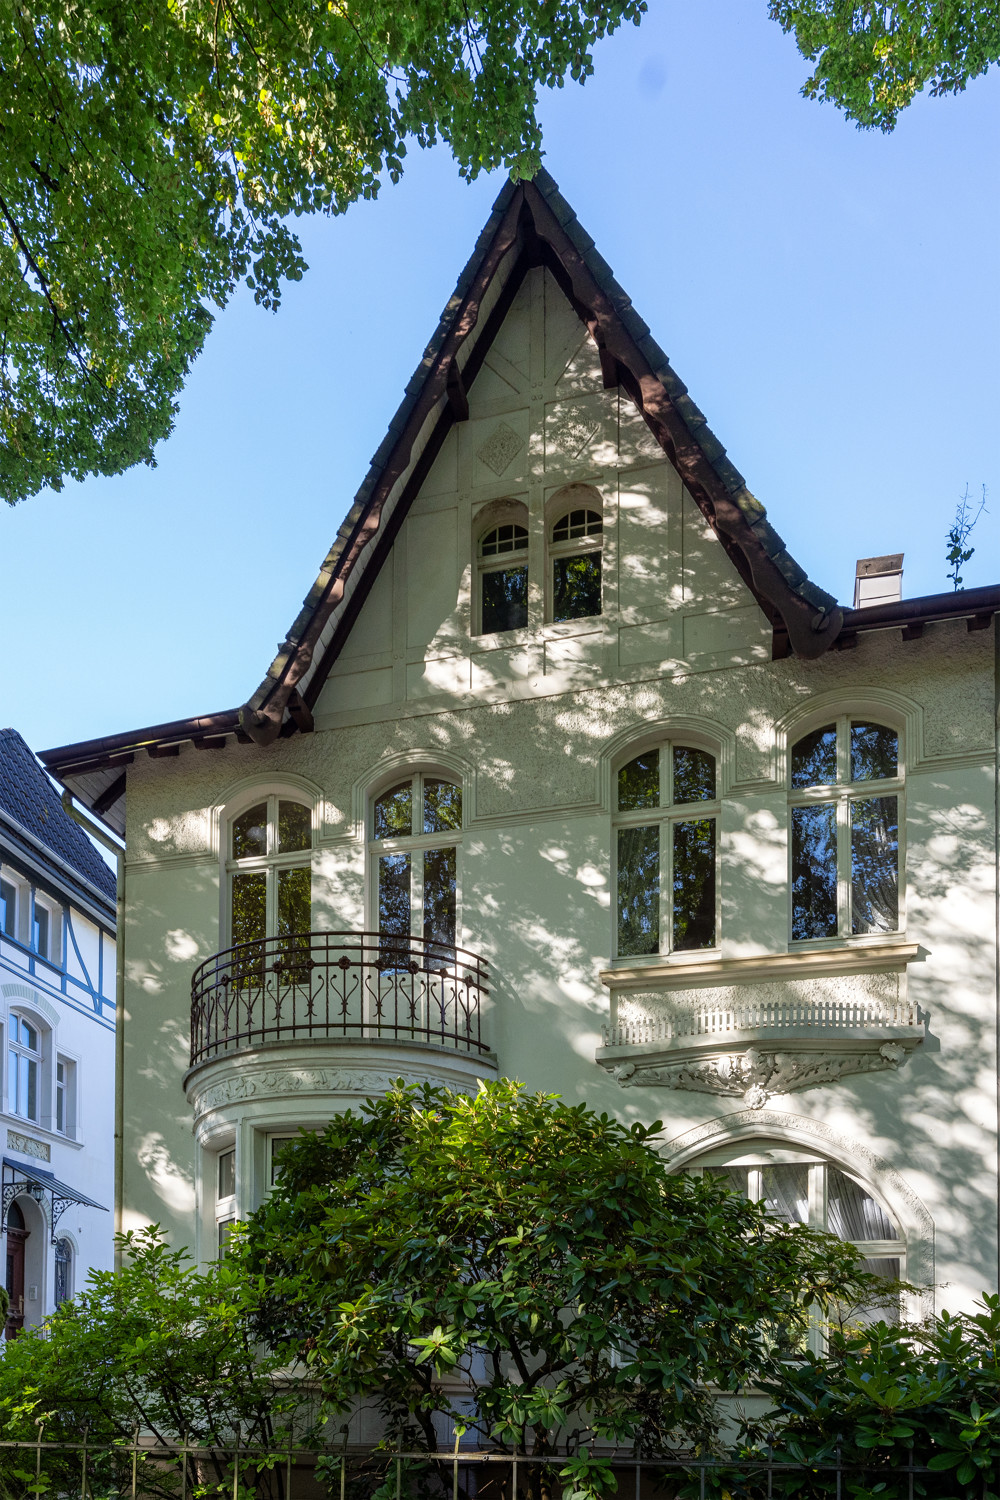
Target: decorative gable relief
[755, 1040]
[500, 448]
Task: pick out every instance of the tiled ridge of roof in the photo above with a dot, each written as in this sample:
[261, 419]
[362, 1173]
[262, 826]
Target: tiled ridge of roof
[29, 799]
[693, 418]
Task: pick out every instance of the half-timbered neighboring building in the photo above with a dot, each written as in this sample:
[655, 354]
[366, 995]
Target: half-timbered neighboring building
[566, 771]
[57, 1009]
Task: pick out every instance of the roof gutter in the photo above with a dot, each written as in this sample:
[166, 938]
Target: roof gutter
[977, 605]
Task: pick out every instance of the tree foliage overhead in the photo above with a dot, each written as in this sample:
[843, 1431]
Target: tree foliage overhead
[872, 57]
[150, 157]
[529, 1270]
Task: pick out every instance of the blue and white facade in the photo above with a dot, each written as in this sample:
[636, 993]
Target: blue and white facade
[57, 1006]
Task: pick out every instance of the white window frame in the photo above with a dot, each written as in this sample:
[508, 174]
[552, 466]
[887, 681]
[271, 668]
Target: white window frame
[68, 1088]
[841, 794]
[500, 562]
[817, 1215]
[415, 844]
[665, 815]
[269, 863]
[21, 1051]
[19, 890]
[572, 547]
[224, 1207]
[51, 953]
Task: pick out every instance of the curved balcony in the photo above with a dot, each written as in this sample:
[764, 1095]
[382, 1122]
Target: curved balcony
[337, 986]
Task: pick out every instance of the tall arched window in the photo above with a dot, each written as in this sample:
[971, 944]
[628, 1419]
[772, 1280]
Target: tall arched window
[575, 544]
[800, 1188]
[63, 1272]
[844, 809]
[24, 1063]
[503, 576]
[666, 851]
[416, 831]
[270, 886]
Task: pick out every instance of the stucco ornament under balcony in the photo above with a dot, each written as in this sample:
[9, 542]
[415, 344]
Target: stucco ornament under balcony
[751, 1028]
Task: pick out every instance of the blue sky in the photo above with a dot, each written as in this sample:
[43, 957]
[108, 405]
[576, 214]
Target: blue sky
[829, 297]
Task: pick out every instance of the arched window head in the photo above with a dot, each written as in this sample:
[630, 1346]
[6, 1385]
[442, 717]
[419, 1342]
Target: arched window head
[503, 575]
[666, 851]
[845, 789]
[270, 849]
[575, 545]
[797, 1187]
[416, 830]
[24, 1058]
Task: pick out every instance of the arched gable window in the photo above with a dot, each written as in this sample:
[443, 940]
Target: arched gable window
[270, 852]
[503, 574]
[416, 831]
[575, 543]
[665, 841]
[844, 808]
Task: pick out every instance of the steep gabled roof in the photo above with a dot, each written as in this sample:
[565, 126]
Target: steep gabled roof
[29, 804]
[531, 225]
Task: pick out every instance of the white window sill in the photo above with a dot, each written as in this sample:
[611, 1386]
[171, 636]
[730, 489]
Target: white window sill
[835, 958]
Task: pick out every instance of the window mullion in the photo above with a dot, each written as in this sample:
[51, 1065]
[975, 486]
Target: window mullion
[844, 866]
[666, 906]
[417, 893]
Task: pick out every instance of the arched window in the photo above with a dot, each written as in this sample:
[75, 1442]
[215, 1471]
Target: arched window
[666, 851]
[845, 789]
[416, 830]
[24, 1059]
[270, 850]
[575, 544]
[503, 577]
[63, 1271]
[800, 1188]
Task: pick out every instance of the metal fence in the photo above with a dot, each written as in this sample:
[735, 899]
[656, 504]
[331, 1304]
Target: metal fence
[138, 1468]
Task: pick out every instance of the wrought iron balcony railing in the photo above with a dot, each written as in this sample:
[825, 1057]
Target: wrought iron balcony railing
[337, 985]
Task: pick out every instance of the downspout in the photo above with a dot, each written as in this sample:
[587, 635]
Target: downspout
[98, 833]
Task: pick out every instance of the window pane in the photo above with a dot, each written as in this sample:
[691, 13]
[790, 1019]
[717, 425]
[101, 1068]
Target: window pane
[814, 872]
[29, 1070]
[577, 523]
[60, 1105]
[638, 890]
[249, 908]
[874, 865]
[576, 586]
[278, 1144]
[885, 1310]
[694, 884]
[250, 833]
[874, 752]
[41, 935]
[852, 1213]
[639, 782]
[294, 827]
[394, 894]
[504, 599]
[442, 806]
[439, 895]
[8, 908]
[786, 1192]
[12, 1075]
[63, 1263]
[814, 758]
[225, 1232]
[227, 1174]
[29, 1036]
[394, 812]
[694, 775]
[733, 1178]
[503, 539]
[294, 902]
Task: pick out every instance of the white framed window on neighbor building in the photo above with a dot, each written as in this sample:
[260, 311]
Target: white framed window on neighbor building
[65, 1096]
[11, 899]
[269, 870]
[414, 854]
[666, 840]
[846, 789]
[24, 1066]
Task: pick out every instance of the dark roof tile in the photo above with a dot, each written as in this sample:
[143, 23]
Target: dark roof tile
[29, 799]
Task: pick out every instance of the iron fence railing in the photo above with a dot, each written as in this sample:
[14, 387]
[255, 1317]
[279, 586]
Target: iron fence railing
[329, 985]
[139, 1468]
